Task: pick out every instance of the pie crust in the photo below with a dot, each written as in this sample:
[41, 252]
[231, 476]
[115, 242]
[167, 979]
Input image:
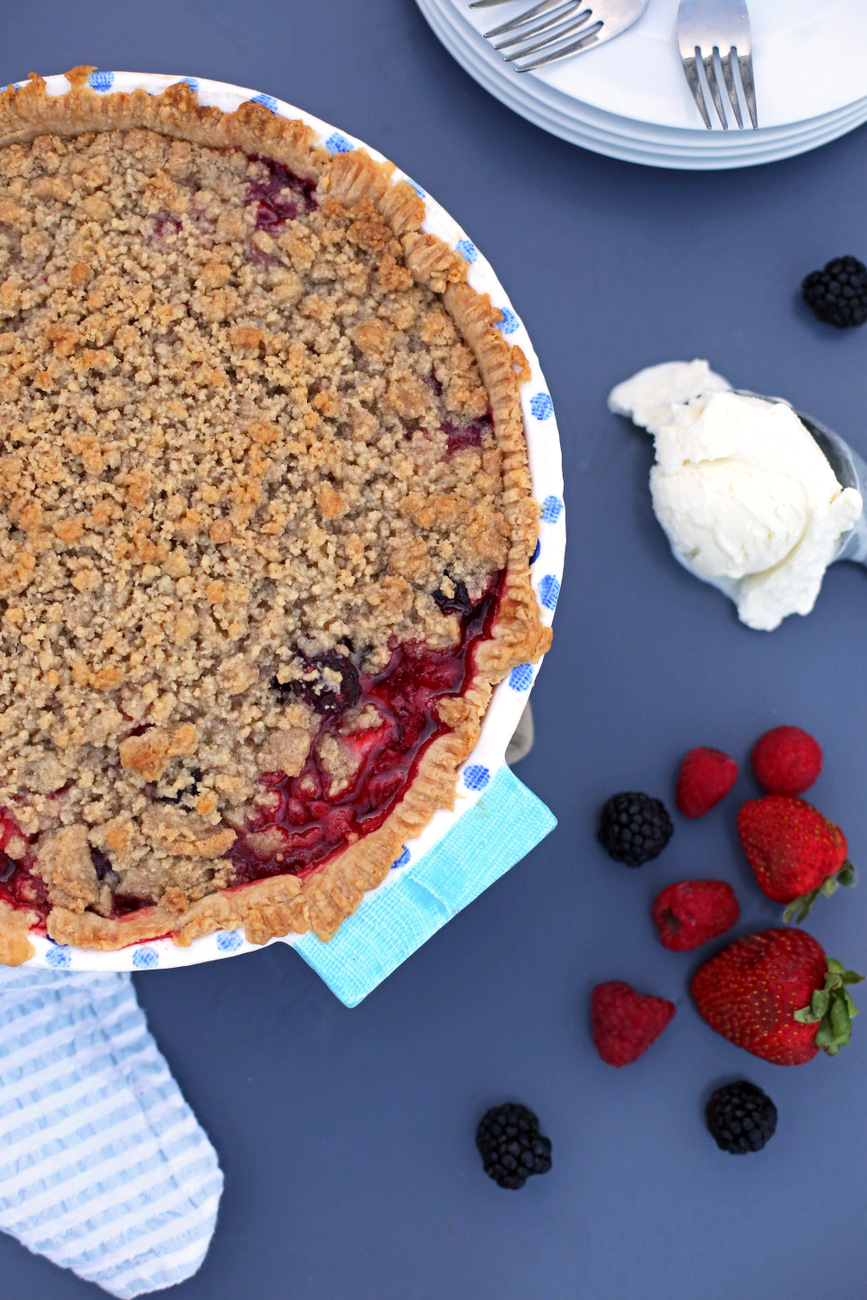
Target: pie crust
[359, 203]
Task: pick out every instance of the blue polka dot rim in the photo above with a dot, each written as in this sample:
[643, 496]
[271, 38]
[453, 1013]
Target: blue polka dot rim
[549, 590]
[552, 509]
[521, 678]
[476, 777]
[509, 322]
[541, 406]
[337, 142]
[101, 81]
[145, 959]
[229, 941]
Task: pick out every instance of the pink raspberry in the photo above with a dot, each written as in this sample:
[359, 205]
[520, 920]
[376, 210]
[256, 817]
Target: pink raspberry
[625, 1023]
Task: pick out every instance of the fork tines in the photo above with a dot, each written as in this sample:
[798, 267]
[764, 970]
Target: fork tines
[711, 32]
[558, 20]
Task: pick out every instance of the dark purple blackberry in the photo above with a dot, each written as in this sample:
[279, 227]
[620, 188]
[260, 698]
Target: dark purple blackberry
[458, 604]
[741, 1117]
[7, 867]
[317, 690]
[633, 828]
[838, 293]
[101, 863]
[511, 1146]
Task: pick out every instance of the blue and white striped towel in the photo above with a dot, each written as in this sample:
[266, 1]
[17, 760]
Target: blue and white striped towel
[103, 1166]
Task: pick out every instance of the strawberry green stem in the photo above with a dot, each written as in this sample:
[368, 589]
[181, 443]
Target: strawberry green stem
[799, 908]
[832, 1008]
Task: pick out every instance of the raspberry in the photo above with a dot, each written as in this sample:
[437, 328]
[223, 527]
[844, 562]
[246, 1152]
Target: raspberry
[691, 912]
[625, 1023]
[511, 1146]
[633, 828]
[741, 1117]
[786, 760]
[706, 776]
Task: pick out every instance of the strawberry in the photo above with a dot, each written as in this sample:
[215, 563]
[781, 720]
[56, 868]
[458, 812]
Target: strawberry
[795, 852]
[625, 1023]
[706, 776]
[691, 912]
[777, 995]
[786, 760]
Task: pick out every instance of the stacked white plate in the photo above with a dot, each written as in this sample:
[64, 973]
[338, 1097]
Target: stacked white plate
[629, 99]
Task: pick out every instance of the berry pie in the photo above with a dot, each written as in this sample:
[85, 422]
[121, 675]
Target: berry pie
[265, 520]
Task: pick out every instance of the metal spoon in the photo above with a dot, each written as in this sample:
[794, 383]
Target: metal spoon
[849, 470]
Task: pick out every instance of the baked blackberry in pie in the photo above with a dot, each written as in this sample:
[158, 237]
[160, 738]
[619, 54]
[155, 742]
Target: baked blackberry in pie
[265, 520]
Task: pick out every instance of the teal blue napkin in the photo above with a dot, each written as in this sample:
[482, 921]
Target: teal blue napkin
[500, 829]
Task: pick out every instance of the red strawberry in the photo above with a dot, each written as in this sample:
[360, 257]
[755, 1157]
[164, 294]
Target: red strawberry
[795, 852]
[706, 776]
[777, 995]
[786, 760]
[625, 1023]
[692, 911]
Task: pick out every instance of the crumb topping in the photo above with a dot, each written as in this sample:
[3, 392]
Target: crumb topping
[245, 455]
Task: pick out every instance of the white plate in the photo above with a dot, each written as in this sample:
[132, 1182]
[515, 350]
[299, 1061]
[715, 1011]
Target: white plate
[510, 697]
[457, 35]
[617, 137]
[809, 59]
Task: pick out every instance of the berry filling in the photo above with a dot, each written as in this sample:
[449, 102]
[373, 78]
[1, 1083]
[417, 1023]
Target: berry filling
[166, 222]
[310, 824]
[467, 435]
[18, 887]
[280, 195]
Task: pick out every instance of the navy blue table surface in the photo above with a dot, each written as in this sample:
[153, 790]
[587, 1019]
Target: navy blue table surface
[347, 1136]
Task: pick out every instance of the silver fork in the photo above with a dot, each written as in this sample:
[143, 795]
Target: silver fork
[717, 27]
[590, 21]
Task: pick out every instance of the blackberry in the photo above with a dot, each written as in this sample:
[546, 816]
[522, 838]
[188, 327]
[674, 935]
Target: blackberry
[838, 293]
[511, 1145]
[101, 863]
[633, 828]
[459, 604]
[321, 693]
[741, 1117]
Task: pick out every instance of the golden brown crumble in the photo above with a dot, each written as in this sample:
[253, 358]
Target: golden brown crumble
[188, 792]
[227, 449]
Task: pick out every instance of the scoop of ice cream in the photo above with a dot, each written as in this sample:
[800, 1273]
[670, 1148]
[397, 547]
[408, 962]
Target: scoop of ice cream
[650, 397]
[746, 497]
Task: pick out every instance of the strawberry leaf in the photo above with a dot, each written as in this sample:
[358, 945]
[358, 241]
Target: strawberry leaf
[799, 908]
[832, 1008]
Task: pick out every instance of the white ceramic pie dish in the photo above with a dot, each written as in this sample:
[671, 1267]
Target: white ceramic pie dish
[510, 696]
